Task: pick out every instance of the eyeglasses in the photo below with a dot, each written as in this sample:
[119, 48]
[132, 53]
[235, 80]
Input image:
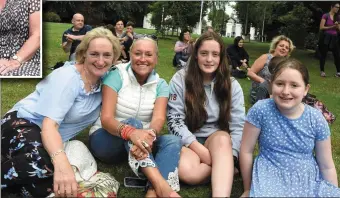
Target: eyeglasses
[336, 6]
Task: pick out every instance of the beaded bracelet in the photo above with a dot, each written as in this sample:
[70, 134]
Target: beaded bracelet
[56, 153]
[119, 129]
[126, 131]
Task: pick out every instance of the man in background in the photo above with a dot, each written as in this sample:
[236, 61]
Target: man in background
[73, 36]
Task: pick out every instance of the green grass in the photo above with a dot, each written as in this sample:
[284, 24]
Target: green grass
[326, 89]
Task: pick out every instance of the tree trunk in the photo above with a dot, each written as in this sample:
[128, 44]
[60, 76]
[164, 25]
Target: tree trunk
[264, 18]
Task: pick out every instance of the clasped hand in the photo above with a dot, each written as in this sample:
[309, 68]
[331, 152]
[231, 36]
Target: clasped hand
[142, 140]
[8, 65]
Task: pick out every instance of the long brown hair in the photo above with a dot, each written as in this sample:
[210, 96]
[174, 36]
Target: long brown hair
[195, 97]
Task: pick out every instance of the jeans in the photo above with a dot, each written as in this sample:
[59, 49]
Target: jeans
[113, 149]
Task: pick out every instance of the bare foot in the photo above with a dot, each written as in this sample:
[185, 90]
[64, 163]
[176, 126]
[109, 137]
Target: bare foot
[151, 193]
[164, 190]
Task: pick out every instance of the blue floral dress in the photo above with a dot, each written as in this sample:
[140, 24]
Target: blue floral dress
[286, 165]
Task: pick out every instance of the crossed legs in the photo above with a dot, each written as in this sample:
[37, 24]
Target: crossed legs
[192, 171]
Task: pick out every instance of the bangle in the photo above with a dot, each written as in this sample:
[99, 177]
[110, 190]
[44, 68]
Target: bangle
[154, 131]
[56, 153]
[119, 129]
[126, 131]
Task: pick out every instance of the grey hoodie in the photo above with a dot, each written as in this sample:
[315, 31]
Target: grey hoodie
[176, 112]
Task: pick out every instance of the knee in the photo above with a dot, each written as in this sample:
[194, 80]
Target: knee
[106, 147]
[221, 140]
[191, 174]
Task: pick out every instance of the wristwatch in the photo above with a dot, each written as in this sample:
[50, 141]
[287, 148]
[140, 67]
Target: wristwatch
[17, 58]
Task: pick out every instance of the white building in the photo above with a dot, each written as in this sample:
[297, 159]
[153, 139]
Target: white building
[233, 28]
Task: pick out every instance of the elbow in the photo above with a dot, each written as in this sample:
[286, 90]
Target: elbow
[105, 120]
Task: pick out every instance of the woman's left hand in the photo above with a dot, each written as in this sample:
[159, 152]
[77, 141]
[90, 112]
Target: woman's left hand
[8, 65]
[143, 139]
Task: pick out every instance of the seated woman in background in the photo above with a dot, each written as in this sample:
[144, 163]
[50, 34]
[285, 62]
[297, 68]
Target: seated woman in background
[263, 91]
[183, 49]
[295, 154]
[132, 117]
[63, 104]
[20, 38]
[258, 73]
[239, 58]
[206, 109]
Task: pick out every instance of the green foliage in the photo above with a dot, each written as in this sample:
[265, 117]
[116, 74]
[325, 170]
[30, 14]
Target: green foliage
[217, 15]
[311, 41]
[296, 24]
[51, 17]
[175, 14]
[98, 12]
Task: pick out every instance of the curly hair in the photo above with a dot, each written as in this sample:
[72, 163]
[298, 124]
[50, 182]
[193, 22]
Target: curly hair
[276, 40]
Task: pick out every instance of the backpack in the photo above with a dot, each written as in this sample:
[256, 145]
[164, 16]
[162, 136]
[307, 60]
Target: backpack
[312, 101]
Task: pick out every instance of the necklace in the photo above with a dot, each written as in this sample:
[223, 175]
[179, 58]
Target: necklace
[93, 87]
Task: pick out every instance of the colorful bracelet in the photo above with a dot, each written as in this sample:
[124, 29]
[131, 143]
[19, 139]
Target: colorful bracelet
[119, 129]
[126, 131]
[56, 153]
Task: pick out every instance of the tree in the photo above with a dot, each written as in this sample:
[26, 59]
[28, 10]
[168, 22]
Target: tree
[294, 27]
[175, 14]
[98, 12]
[217, 15]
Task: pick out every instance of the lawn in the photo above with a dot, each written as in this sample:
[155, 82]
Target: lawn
[326, 89]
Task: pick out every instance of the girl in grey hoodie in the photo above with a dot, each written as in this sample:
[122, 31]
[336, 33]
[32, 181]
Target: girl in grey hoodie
[206, 109]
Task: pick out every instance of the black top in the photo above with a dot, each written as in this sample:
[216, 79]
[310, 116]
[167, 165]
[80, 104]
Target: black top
[236, 54]
[75, 43]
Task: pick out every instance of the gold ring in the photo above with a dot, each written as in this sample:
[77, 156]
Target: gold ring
[146, 145]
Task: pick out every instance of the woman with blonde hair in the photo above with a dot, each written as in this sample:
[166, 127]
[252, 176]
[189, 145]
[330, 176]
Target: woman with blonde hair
[259, 73]
[63, 104]
[132, 117]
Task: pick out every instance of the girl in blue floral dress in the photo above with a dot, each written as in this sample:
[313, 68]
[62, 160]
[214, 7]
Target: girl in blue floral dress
[295, 157]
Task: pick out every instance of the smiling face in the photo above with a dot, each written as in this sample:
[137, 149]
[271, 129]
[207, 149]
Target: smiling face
[282, 48]
[208, 58]
[99, 57]
[144, 58]
[288, 89]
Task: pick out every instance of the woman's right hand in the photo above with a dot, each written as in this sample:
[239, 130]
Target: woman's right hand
[202, 152]
[64, 180]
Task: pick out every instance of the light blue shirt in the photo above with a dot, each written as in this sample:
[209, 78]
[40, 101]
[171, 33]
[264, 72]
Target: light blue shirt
[61, 97]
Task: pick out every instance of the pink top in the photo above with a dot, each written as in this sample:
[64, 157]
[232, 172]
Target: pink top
[329, 22]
